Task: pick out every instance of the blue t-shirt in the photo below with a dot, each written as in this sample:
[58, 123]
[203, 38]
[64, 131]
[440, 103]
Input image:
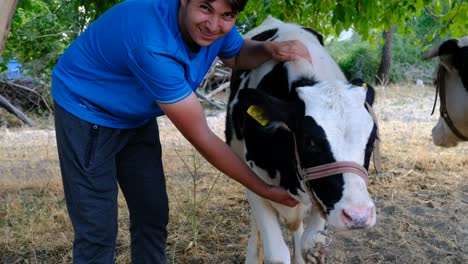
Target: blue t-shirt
[130, 59]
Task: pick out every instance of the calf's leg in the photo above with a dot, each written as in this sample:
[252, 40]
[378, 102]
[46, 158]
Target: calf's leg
[312, 250]
[254, 247]
[442, 136]
[297, 236]
[275, 250]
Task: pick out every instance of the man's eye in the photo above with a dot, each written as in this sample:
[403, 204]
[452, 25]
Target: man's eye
[204, 7]
[229, 16]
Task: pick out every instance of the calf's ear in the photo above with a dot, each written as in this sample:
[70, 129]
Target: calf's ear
[370, 91]
[431, 53]
[453, 55]
[249, 97]
[263, 107]
[445, 52]
[253, 103]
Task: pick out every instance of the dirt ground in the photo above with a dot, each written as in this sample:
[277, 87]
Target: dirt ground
[421, 196]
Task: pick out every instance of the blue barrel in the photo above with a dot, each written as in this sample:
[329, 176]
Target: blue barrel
[13, 70]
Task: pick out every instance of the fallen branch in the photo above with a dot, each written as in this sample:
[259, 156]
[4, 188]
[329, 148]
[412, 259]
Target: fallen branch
[29, 90]
[219, 89]
[209, 100]
[12, 109]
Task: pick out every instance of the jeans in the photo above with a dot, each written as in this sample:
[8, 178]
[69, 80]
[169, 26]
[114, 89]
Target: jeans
[94, 162]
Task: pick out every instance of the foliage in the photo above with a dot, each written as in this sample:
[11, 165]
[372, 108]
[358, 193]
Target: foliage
[368, 18]
[38, 34]
[407, 63]
[89, 10]
[451, 16]
[356, 58]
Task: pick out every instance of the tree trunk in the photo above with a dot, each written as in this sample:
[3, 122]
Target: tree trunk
[383, 75]
[7, 9]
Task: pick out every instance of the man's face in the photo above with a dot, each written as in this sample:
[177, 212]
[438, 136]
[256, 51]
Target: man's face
[204, 21]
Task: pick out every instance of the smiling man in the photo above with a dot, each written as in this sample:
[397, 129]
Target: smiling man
[140, 60]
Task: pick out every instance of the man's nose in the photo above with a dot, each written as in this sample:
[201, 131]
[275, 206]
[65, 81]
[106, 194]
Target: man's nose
[213, 23]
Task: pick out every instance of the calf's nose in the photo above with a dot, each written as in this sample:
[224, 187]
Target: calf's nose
[358, 217]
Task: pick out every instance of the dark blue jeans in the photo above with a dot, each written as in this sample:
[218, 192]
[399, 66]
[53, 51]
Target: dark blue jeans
[94, 161]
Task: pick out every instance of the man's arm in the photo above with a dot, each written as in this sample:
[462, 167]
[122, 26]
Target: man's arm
[189, 118]
[254, 53]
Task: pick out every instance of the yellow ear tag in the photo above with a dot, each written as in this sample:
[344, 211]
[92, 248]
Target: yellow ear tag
[258, 114]
[364, 85]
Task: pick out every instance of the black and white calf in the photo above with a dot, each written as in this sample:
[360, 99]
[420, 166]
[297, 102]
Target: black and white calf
[295, 120]
[452, 82]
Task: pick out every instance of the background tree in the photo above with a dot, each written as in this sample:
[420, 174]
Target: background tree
[7, 9]
[383, 74]
[368, 18]
[88, 10]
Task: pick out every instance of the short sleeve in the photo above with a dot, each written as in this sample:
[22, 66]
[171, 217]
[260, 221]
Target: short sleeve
[232, 44]
[160, 74]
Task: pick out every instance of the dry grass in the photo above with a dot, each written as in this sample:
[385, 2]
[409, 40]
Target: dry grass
[422, 197]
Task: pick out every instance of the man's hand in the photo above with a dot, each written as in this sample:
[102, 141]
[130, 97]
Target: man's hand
[254, 53]
[287, 50]
[280, 195]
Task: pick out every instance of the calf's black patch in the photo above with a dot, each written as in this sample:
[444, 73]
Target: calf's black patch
[458, 57]
[266, 35]
[315, 33]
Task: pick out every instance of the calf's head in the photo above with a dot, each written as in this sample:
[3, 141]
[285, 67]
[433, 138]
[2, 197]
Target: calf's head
[321, 124]
[453, 64]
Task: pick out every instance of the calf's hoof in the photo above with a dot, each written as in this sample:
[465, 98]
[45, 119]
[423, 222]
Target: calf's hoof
[315, 255]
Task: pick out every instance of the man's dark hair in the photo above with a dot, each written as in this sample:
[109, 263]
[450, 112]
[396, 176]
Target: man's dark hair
[237, 5]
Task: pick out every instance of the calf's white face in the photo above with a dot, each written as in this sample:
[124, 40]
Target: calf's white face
[338, 109]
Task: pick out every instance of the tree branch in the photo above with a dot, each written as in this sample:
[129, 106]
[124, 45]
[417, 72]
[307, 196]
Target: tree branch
[29, 90]
[12, 109]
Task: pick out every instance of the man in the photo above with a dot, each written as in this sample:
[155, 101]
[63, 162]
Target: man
[139, 60]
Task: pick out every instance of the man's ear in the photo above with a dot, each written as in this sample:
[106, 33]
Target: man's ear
[370, 93]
